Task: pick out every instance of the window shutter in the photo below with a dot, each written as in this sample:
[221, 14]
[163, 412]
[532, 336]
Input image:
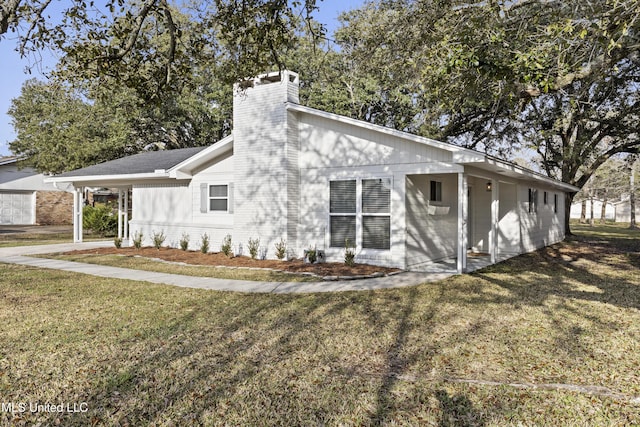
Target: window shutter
[230, 195]
[204, 198]
[376, 195]
[376, 232]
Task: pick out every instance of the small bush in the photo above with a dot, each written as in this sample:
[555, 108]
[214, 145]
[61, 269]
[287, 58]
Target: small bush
[117, 242]
[184, 241]
[312, 255]
[137, 239]
[281, 249]
[158, 239]
[254, 245]
[204, 244]
[226, 245]
[349, 253]
[100, 219]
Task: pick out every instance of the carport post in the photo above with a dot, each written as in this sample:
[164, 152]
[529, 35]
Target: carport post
[463, 201]
[120, 213]
[495, 219]
[78, 204]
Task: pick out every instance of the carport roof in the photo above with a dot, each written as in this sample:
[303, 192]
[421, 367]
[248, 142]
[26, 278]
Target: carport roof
[147, 162]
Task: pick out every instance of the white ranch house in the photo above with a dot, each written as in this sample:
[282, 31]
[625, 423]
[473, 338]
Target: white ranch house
[314, 179]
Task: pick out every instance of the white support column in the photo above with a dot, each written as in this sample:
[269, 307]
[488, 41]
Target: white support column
[495, 219]
[78, 204]
[126, 214]
[463, 210]
[120, 213]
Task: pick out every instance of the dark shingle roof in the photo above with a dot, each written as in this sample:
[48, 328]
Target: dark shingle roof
[146, 162]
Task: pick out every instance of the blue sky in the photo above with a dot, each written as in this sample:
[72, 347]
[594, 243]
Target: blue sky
[13, 74]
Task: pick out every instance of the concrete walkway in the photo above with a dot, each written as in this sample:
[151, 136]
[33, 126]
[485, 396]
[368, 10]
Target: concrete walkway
[20, 255]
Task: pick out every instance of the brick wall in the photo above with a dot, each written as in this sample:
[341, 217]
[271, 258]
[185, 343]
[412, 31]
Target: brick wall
[54, 208]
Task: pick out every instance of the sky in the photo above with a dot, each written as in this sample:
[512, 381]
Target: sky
[13, 68]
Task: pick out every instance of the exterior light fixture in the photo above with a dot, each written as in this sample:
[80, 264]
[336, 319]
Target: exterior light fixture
[489, 186]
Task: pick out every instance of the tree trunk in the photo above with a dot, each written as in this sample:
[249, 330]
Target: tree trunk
[632, 198]
[583, 212]
[603, 211]
[591, 212]
[568, 200]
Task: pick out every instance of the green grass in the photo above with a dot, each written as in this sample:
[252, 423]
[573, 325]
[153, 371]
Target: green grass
[436, 354]
[146, 264]
[29, 239]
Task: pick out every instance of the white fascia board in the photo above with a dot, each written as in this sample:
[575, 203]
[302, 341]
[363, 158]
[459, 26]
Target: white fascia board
[183, 170]
[125, 178]
[457, 151]
[501, 165]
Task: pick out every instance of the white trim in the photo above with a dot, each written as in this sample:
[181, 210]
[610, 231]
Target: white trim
[211, 152]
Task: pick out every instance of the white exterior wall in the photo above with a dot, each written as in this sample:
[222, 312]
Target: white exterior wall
[509, 220]
[174, 208]
[544, 227]
[432, 234]
[265, 164]
[330, 150]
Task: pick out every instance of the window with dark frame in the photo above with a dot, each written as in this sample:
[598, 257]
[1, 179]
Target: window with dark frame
[533, 200]
[435, 191]
[218, 198]
[545, 198]
[555, 203]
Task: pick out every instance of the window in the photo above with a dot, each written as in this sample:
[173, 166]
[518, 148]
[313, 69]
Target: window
[555, 203]
[545, 198]
[376, 213]
[218, 198]
[372, 216]
[435, 193]
[533, 200]
[342, 208]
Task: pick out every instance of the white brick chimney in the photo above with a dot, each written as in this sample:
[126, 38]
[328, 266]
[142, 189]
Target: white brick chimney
[265, 152]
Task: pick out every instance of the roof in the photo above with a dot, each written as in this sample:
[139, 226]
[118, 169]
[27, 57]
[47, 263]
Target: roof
[147, 162]
[7, 160]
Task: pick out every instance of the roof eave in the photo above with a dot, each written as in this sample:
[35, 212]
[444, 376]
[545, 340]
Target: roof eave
[184, 169]
[124, 178]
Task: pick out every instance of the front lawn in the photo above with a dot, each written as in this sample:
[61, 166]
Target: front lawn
[549, 338]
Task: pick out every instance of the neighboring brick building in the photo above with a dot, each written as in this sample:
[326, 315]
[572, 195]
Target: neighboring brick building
[26, 199]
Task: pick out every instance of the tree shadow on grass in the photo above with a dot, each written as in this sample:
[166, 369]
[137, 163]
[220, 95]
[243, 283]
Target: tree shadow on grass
[458, 411]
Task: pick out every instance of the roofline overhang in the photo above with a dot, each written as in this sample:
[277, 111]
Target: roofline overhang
[123, 179]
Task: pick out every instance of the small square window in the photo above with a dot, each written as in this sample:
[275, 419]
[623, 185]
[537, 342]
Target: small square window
[218, 198]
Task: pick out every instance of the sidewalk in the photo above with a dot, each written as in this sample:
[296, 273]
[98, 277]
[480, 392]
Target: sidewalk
[19, 255]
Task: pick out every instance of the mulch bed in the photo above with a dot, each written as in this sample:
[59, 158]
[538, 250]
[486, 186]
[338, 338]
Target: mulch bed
[219, 259]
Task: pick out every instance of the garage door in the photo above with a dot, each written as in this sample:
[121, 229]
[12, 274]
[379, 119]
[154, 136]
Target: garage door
[16, 207]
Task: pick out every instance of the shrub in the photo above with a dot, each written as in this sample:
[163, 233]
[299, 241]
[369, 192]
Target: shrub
[254, 245]
[158, 239]
[117, 242]
[137, 240]
[312, 255]
[204, 244]
[100, 219]
[349, 253]
[184, 241]
[281, 249]
[226, 245]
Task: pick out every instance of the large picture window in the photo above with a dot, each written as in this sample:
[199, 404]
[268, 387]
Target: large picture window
[218, 198]
[342, 208]
[373, 213]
